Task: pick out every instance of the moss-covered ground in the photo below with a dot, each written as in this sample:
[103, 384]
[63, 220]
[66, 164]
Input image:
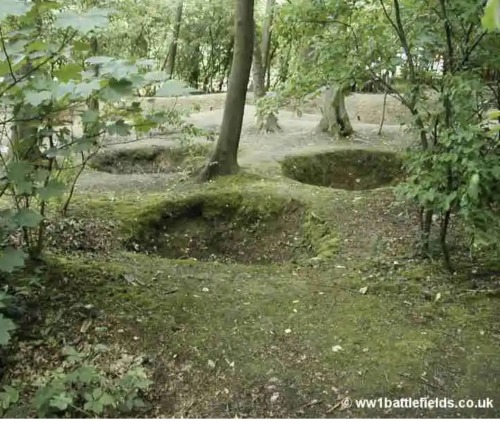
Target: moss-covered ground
[259, 296]
[345, 310]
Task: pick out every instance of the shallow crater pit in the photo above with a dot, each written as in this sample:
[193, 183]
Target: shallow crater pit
[224, 227]
[349, 169]
[154, 159]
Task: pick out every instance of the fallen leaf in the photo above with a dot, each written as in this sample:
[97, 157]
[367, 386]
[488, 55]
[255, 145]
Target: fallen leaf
[85, 326]
[129, 278]
[275, 397]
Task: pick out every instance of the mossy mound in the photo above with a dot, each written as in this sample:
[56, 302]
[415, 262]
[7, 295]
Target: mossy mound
[151, 159]
[349, 169]
[222, 226]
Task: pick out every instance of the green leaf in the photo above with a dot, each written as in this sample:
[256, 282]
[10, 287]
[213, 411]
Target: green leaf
[11, 259]
[94, 406]
[70, 351]
[7, 222]
[173, 88]
[53, 189]
[119, 128]
[44, 395]
[93, 18]
[37, 45]
[146, 63]
[41, 175]
[47, 5]
[8, 397]
[97, 393]
[157, 76]
[87, 374]
[494, 114]
[90, 116]
[83, 145]
[35, 98]
[122, 86]
[17, 171]
[99, 60]
[6, 326]
[28, 218]
[69, 72]
[491, 18]
[14, 8]
[61, 401]
[86, 89]
[473, 189]
[121, 69]
[138, 403]
[107, 400]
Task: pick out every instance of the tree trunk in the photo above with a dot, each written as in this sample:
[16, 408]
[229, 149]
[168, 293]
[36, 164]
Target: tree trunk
[172, 51]
[224, 160]
[269, 121]
[261, 53]
[335, 119]
[194, 75]
[384, 106]
[266, 36]
[90, 129]
[258, 70]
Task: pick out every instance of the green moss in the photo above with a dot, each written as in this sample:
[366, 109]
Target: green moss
[275, 215]
[269, 325]
[351, 169]
[272, 328]
[321, 236]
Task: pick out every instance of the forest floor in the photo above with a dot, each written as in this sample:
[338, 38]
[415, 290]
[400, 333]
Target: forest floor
[259, 296]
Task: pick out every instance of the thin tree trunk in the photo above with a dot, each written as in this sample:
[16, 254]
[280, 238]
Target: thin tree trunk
[383, 114]
[425, 228]
[258, 70]
[172, 52]
[224, 160]
[93, 102]
[442, 238]
[269, 121]
[266, 36]
[261, 53]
